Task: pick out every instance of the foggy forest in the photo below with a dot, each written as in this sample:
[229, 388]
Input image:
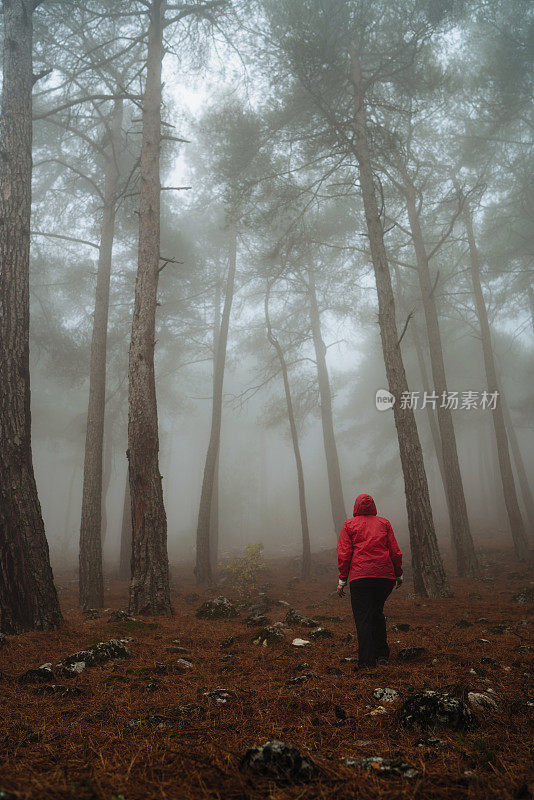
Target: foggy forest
[266, 365]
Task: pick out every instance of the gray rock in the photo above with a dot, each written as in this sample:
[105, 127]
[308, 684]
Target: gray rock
[278, 761]
[176, 648]
[190, 710]
[43, 674]
[100, 653]
[257, 621]
[121, 616]
[70, 670]
[384, 766]
[432, 707]
[220, 696]
[147, 720]
[59, 689]
[268, 636]
[304, 678]
[217, 608]
[385, 695]
[433, 742]
[321, 633]
[294, 617]
[91, 613]
[412, 653]
[526, 595]
[482, 701]
[182, 665]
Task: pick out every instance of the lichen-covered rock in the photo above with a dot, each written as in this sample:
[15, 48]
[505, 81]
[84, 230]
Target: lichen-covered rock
[526, 595]
[190, 710]
[91, 613]
[384, 766]
[321, 633]
[385, 695]
[498, 629]
[120, 616]
[268, 636]
[294, 617]
[431, 708]
[182, 665]
[217, 608]
[306, 676]
[177, 648]
[220, 696]
[482, 701]
[42, 674]
[100, 653]
[433, 742]
[257, 620]
[278, 761]
[412, 653]
[70, 670]
[59, 689]
[300, 642]
[147, 720]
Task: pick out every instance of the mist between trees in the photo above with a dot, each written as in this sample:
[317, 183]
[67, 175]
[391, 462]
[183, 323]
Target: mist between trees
[224, 226]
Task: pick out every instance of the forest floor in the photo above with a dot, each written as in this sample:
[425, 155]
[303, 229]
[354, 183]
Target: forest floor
[129, 736]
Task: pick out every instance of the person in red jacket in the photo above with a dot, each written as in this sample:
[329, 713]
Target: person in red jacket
[370, 559]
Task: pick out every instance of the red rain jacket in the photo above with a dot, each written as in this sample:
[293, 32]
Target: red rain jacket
[367, 547]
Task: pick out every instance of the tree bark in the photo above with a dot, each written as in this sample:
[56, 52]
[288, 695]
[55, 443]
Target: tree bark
[91, 584]
[505, 465]
[203, 562]
[522, 477]
[330, 448]
[462, 541]
[28, 598]
[125, 558]
[432, 422]
[214, 511]
[306, 550]
[429, 574]
[149, 587]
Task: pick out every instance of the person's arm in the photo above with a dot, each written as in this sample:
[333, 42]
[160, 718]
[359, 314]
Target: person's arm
[395, 554]
[344, 556]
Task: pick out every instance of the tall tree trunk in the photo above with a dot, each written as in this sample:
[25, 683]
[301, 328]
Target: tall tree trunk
[125, 558]
[416, 340]
[149, 587]
[519, 464]
[91, 585]
[203, 561]
[306, 551]
[505, 465]
[107, 469]
[28, 598]
[214, 511]
[462, 542]
[429, 574]
[330, 448]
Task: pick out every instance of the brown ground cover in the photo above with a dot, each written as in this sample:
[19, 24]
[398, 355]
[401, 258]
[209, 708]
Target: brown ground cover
[84, 747]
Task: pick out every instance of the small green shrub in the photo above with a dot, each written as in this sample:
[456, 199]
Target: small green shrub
[242, 572]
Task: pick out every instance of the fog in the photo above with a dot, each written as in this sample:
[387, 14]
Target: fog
[245, 222]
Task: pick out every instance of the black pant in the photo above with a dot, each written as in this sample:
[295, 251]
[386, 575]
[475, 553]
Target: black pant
[367, 597]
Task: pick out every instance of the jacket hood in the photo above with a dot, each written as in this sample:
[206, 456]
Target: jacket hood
[364, 505]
